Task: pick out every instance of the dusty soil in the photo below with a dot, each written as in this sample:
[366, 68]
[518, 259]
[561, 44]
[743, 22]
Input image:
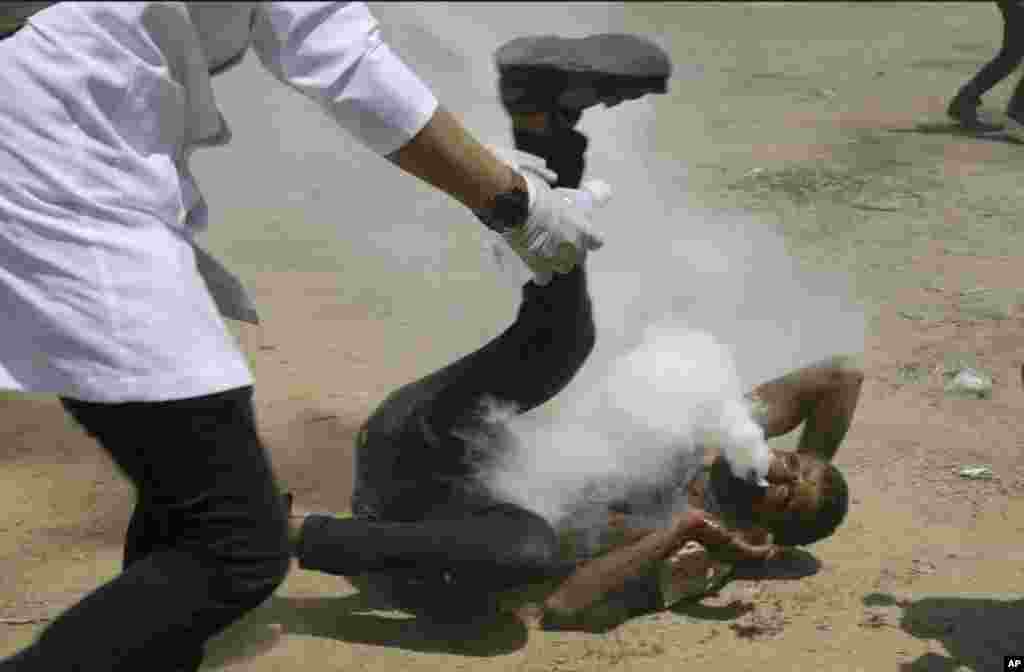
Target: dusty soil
[809, 117]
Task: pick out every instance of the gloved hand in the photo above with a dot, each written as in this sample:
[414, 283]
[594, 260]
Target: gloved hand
[557, 232]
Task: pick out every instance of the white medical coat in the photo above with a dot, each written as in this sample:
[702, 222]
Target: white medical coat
[102, 103]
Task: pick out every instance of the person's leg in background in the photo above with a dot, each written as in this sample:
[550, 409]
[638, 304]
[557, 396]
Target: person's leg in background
[1015, 31]
[208, 541]
[1015, 108]
[964, 106]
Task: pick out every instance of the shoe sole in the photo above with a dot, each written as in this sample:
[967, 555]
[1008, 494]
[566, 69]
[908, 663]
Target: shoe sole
[983, 129]
[608, 63]
[1014, 129]
[970, 122]
[607, 54]
[979, 127]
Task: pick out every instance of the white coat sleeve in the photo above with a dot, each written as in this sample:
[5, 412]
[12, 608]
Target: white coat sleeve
[333, 53]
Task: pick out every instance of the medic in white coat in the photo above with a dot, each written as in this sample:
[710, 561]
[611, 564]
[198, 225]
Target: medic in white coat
[103, 295]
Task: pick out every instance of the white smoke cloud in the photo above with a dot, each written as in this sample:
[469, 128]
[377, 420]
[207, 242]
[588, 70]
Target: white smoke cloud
[663, 399]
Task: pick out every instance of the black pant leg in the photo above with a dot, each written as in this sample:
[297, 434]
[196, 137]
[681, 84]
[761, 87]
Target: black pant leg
[554, 332]
[200, 465]
[1014, 16]
[563, 149]
[1016, 104]
[1009, 57]
[505, 542]
[527, 364]
[147, 532]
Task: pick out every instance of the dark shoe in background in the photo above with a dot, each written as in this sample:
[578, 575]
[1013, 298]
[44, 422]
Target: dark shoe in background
[1015, 124]
[964, 111]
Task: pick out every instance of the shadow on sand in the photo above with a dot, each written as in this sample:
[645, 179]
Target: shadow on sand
[642, 596]
[351, 619]
[977, 631]
[794, 564]
[955, 129]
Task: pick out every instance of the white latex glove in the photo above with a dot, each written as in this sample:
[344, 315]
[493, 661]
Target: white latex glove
[557, 233]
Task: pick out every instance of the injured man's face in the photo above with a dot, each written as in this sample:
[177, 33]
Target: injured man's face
[805, 501]
[794, 486]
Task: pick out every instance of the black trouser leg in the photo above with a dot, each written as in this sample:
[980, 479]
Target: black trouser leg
[1015, 108]
[445, 569]
[563, 148]
[149, 531]
[486, 548]
[1006, 61]
[500, 546]
[553, 334]
[208, 541]
[527, 364]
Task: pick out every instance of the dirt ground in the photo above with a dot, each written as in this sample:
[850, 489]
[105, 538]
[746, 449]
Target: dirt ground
[812, 118]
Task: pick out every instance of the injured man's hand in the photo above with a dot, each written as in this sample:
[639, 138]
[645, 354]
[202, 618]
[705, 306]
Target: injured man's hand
[690, 572]
[693, 570]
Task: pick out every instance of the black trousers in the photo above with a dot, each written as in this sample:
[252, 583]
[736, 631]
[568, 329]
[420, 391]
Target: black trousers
[1006, 61]
[206, 543]
[449, 563]
[448, 569]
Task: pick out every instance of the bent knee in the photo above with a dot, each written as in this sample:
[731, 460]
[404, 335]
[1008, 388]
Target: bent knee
[254, 564]
[537, 552]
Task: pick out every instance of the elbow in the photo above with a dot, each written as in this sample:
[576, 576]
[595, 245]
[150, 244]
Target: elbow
[844, 372]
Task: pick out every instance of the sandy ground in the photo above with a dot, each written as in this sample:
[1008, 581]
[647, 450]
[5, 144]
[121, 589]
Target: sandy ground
[808, 117]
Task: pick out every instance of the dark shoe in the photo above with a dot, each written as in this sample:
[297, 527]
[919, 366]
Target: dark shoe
[539, 74]
[1015, 124]
[965, 112]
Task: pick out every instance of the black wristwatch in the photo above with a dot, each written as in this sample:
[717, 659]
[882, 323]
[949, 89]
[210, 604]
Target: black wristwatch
[510, 210]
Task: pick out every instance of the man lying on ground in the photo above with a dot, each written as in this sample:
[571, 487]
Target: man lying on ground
[807, 497]
[429, 537]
